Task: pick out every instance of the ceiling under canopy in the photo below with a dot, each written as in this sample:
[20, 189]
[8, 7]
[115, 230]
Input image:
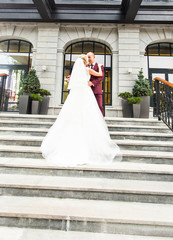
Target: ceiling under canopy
[94, 11]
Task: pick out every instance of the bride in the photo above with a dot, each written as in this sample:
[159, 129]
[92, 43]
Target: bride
[80, 135]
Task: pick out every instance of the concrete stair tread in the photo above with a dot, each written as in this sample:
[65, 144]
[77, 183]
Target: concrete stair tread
[117, 166]
[87, 210]
[14, 148]
[122, 142]
[16, 115]
[86, 184]
[138, 126]
[26, 122]
[148, 134]
[143, 142]
[132, 119]
[153, 154]
[21, 129]
[34, 116]
[23, 138]
[14, 233]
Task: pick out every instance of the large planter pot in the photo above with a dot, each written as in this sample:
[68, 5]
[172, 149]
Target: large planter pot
[127, 109]
[145, 107]
[35, 107]
[136, 110]
[44, 105]
[25, 104]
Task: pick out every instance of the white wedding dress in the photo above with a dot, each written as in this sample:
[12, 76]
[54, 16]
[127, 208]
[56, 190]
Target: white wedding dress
[79, 134]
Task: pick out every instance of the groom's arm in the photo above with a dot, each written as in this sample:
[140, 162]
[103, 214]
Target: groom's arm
[99, 79]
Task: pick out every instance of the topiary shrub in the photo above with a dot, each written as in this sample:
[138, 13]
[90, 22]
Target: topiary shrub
[142, 86]
[44, 92]
[31, 83]
[36, 97]
[125, 95]
[134, 100]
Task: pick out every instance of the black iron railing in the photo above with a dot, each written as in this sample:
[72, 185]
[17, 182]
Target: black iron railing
[163, 101]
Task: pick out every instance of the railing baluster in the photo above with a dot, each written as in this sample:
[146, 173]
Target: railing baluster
[163, 104]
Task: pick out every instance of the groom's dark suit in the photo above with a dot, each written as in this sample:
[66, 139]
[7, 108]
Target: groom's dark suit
[97, 88]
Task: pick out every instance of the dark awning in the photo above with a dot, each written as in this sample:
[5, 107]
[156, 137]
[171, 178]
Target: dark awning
[107, 11]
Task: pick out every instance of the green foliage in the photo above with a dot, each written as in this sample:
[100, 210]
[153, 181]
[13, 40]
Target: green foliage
[134, 100]
[36, 97]
[125, 95]
[44, 92]
[31, 83]
[142, 86]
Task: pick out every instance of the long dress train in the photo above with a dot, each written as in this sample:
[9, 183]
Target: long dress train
[79, 134]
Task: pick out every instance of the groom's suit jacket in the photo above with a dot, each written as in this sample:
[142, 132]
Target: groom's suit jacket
[97, 88]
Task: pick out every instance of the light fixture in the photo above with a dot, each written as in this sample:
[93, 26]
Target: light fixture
[129, 70]
[44, 68]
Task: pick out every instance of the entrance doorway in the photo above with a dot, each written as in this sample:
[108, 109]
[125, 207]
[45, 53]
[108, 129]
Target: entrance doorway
[166, 74]
[15, 60]
[10, 88]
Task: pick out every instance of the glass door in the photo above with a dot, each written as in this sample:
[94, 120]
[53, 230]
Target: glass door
[12, 86]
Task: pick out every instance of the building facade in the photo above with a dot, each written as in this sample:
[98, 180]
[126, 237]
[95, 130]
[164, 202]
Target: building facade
[123, 49]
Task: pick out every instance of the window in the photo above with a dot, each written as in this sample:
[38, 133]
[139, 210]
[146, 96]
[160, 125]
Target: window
[159, 49]
[103, 56]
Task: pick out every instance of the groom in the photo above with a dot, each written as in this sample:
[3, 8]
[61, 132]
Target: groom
[95, 82]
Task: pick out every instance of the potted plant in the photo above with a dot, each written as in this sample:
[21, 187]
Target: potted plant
[45, 103]
[142, 89]
[29, 85]
[36, 99]
[126, 107]
[135, 102]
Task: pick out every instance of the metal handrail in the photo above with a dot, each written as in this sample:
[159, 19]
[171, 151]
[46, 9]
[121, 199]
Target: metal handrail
[3, 74]
[163, 101]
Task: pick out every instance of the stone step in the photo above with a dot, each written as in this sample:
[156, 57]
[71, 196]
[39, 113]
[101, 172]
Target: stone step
[139, 128]
[148, 156]
[123, 144]
[128, 155]
[51, 118]
[145, 145]
[21, 140]
[23, 131]
[20, 151]
[118, 170]
[114, 135]
[9, 233]
[134, 121]
[142, 136]
[87, 188]
[25, 124]
[112, 127]
[147, 219]
[28, 117]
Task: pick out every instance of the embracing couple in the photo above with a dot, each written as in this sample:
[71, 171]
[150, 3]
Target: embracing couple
[95, 82]
[80, 134]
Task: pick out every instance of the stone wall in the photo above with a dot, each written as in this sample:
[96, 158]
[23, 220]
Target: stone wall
[127, 43]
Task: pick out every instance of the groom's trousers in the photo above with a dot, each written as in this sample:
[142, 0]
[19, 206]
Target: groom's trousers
[99, 98]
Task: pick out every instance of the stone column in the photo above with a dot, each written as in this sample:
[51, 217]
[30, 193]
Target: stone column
[59, 76]
[115, 82]
[129, 56]
[46, 57]
[34, 50]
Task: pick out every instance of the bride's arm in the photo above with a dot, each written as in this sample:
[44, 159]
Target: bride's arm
[94, 73]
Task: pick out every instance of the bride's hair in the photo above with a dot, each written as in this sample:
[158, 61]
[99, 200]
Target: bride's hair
[84, 58]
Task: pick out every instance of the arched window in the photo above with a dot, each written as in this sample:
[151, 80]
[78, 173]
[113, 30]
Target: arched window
[15, 60]
[103, 56]
[159, 49]
[160, 60]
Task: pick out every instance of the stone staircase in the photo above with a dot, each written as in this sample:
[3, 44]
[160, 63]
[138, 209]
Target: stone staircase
[129, 200]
